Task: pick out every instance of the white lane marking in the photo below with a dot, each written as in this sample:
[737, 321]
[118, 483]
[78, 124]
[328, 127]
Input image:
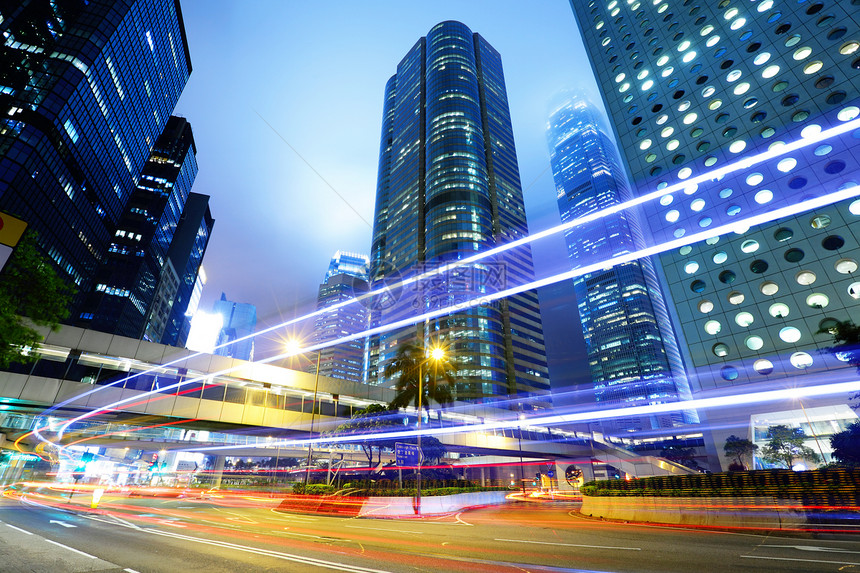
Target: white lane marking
[63, 523]
[813, 548]
[70, 549]
[570, 544]
[382, 529]
[127, 570]
[463, 522]
[302, 534]
[802, 560]
[270, 553]
[19, 529]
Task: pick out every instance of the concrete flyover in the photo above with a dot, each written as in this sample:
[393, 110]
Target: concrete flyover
[128, 380]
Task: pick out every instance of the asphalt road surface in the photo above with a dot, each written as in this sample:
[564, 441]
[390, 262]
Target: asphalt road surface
[49, 534]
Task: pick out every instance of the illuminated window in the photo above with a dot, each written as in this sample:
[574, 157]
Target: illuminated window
[846, 266]
[720, 257]
[713, 327]
[729, 373]
[736, 297]
[778, 310]
[763, 366]
[720, 349]
[744, 319]
[691, 267]
[754, 342]
[769, 288]
[749, 246]
[817, 300]
[789, 334]
[705, 306]
[763, 196]
[800, 360]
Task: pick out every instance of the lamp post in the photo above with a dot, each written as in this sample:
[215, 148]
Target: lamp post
[520, 442]
[436, 355]
[313, 412]
[294, 347]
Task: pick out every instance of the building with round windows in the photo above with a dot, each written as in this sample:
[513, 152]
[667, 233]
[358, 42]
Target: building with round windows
[739, 122]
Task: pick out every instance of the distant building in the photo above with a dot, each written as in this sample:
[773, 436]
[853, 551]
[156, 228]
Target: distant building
[346, 276]
[137, 267]
[186, 257]
[448, 188]
[238, 320]
[87, 90]
[632, 352]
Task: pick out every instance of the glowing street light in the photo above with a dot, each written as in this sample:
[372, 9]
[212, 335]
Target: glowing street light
[294, 347]
[436, 354]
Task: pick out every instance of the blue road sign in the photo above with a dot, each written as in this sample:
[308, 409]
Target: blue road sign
[407, 454]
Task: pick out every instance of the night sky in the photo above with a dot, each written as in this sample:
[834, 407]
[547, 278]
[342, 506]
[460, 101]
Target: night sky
[285, 99]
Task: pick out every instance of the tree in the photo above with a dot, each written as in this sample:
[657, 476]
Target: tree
[785, 445]
[675, 451]
[29, 287]
[846, 445]
[738, 449]
[409, 361]
[375, 419]
[846, 335]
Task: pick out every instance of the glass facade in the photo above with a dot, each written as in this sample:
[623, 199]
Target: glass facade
[448, 188]
[346, 277]
[136, 267]
[186, 257]
[238, 320]
[86, 89]
[632, 352]
[741, 113]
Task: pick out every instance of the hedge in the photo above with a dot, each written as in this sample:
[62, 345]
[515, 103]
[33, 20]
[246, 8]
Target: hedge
[825, 486]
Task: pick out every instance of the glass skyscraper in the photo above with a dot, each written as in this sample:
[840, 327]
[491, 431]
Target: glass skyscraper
[87, 88]
[185, 259]
[346, 277]
[137, 265]
[238, 320]
[632, 351]
[448, 188]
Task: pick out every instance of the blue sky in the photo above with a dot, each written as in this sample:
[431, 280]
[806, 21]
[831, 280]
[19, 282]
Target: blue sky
[286, 100]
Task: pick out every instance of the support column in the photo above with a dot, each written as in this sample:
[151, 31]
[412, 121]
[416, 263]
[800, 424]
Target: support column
[218, 470]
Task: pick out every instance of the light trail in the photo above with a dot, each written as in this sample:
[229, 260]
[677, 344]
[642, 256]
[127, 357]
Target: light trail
[769, 216]
[734, 400]
[713, 175]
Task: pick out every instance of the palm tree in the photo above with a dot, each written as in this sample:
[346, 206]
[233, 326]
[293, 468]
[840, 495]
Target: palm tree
[412, 359]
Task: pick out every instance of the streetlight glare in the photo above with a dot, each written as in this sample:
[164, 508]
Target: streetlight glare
[293, 346]
[437, 354]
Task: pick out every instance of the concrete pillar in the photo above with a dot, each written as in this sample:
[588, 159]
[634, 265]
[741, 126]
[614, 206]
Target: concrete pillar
[483, 477]
[218, 471]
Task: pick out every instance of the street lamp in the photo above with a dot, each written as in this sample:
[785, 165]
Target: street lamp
[294, 347]
[520, 442]
[436, 354]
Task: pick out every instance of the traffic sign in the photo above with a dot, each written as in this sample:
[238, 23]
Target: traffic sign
[407, 454]
[11, 229]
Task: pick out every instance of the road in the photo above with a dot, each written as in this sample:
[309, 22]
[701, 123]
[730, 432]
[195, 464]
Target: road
[47, 534]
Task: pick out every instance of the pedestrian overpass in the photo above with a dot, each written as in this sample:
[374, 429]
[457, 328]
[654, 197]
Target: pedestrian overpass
[155, 397]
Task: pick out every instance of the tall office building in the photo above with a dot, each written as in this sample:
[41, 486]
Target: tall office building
[185, 257]
[692, 88]
[87, 89]
[448, 188]
[238, 320]
[632, 352]
[137, 268]
[346, 277]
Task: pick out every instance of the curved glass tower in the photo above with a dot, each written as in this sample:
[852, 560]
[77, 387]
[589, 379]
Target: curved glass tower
[632, 352]
[448, 188]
